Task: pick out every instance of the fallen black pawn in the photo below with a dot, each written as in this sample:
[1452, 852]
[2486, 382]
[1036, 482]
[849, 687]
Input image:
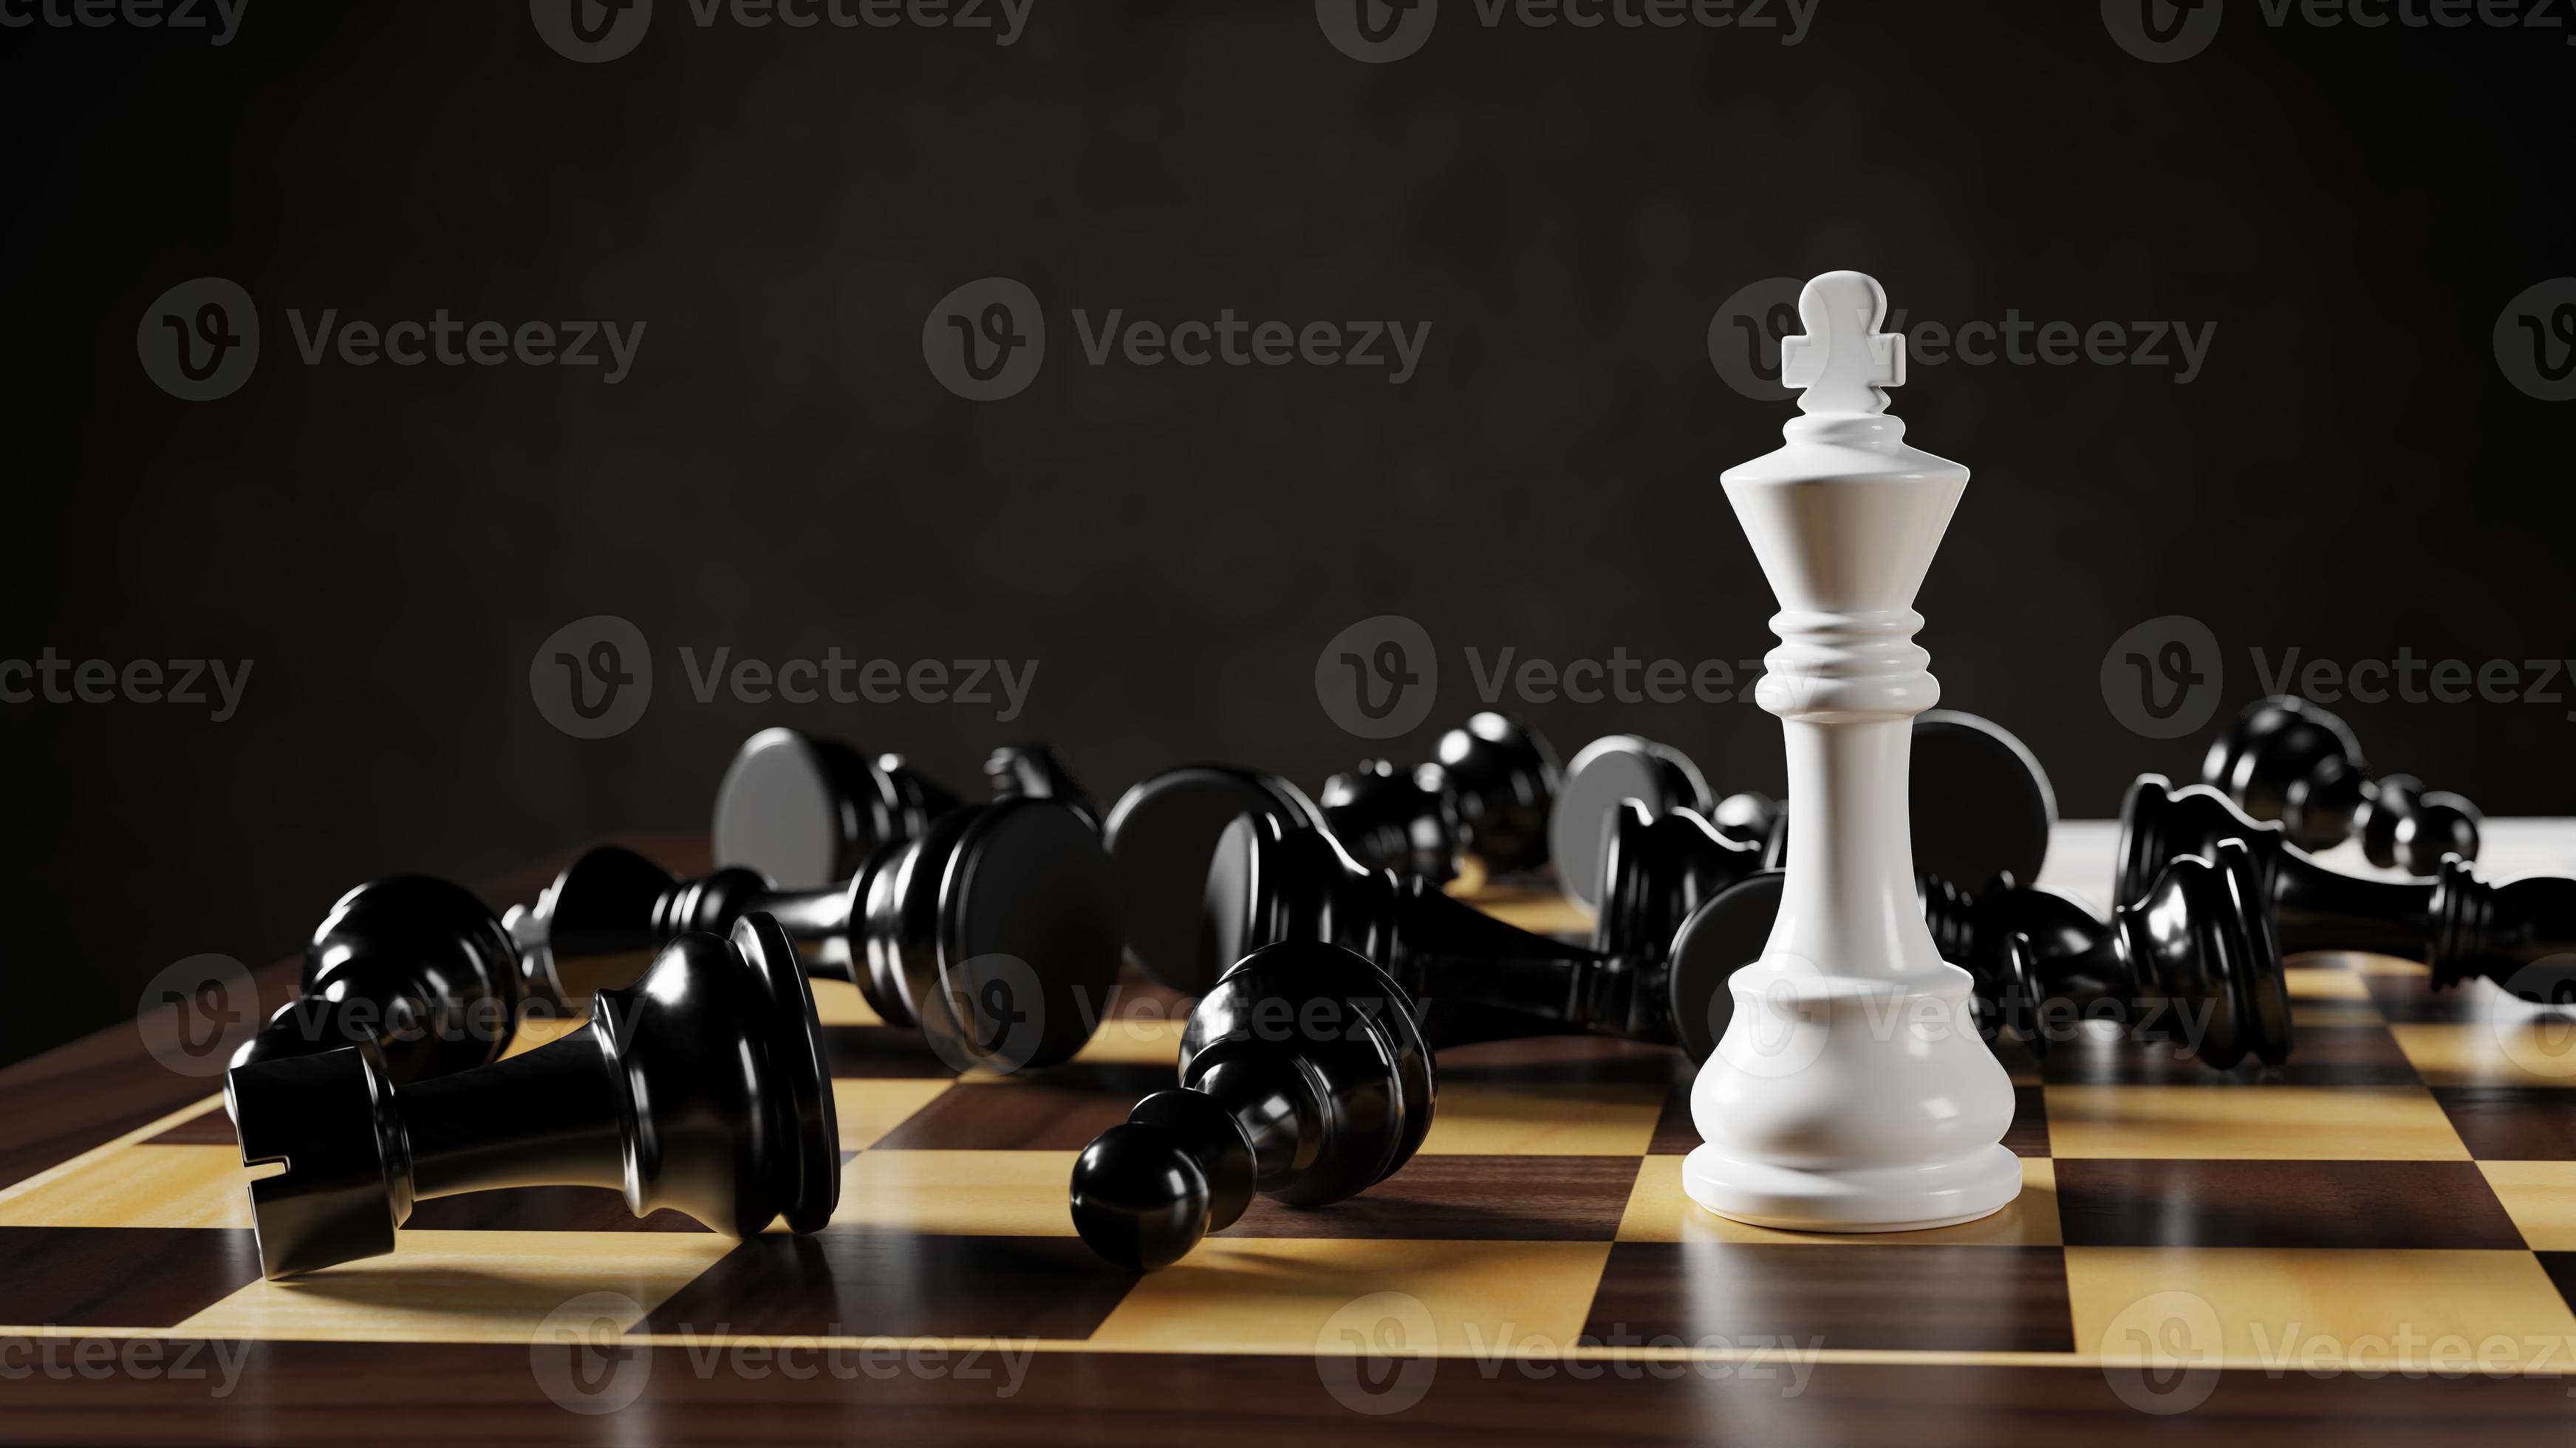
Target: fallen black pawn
[701, 1087]
[1303, 1078]
[418, 966]
[2286, 759]
[2521, 935]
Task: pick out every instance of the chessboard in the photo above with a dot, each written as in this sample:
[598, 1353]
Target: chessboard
[2376, 1241]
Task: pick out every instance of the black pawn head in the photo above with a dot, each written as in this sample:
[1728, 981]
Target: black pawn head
[724, 1070]
[2408, 827]
[1034, 771]
[1395, 818]
[1504, 776]
[1747, 818]
[2286, 759]
[1606, 772]
[1721, 937]
[1656, 870]
[2201, 940]
[996, 932]
[808, 812]
[1146, 1192]
[418, 967]
[1981, 804]
[1161, 836]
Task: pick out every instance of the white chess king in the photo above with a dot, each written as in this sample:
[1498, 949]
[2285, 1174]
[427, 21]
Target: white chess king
[1850, 1091]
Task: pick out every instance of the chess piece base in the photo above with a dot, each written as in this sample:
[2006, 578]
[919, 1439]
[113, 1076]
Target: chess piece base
[1869, 1199]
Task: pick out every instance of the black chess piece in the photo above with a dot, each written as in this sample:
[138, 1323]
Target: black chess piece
[419, 967]
[1485, 798]
[2286, 759]
[1033, 771]
[995, 930]
[806, 811]
[1620, 767]
[702, 1087]
[2193, 964]
[1303, 1078]
[1980, 802]
[2521, 935]
[1273, 881]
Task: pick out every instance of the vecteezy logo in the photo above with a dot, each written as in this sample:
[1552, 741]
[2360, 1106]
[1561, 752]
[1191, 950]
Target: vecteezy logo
[2162, 679]
[996, 1017]
[1377, 31]
[2535, 340]
[199, 340]
[984, 341]
[591, 31]
[2163, 31]
[196, 1012]
[580, 1360]
[1377, 1354]
[1744, 337]
[1377, 678]
[2160, 1353]
[592, 677]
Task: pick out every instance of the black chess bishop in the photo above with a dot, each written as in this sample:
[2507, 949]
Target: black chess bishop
[701, 1087]
[2192, 964]
[2285, 759]
[1485, 799]
[806, 811]
[2521, 935]
[1303, 1078]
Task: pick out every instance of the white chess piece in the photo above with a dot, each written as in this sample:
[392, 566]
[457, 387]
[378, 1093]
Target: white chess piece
[1850, 1092]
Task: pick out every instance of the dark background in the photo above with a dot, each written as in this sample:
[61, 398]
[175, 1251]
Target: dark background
[781, 474]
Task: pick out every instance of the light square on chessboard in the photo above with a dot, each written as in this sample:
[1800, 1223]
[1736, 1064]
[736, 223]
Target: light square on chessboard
[838, 1003]
[2537, 1050]
[464, 1286]
[133, 1185]
[2305, 1123]
[965, 1193]
[2330, 998]
[1660, 1211]
[1134, 1041]
[866, 1110]
[1324, 1296]
[1549, 1118]
[2268, 1306]
[2540, 1196]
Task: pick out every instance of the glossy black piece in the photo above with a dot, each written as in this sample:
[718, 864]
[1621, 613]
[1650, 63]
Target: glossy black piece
[1033, 771]
[1604, 773]
[995, 931]
[1303, 1078]
[702, 1088]
[1484, 801]
[2286, 759]
[806, 811]
[416, 966]
[2194, 964]
[1501, 777]
[1161, 835]
[1273, 882]
[2521, 935]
